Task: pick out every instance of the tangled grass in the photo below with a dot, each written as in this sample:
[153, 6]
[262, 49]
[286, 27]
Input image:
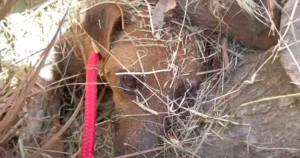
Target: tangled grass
[28, 30]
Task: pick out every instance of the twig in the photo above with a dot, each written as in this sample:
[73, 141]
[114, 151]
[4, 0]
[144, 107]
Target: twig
[271, 98]
[145, 108]
[141, 152]
[142, 73]
[122, 14]
[150, 15]
[225, 56]
[202, 140]
[21, 145]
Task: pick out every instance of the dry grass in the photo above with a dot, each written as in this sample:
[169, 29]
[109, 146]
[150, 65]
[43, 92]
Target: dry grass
[24, 36]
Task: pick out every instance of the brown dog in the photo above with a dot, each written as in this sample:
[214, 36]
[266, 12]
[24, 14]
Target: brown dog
[142, 71]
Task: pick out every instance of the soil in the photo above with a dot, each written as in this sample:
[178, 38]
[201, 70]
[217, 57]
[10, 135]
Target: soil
[273, 126]
[226, 17]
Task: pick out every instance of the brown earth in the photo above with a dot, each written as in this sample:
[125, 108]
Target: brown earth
[273, 126]
[228, 18]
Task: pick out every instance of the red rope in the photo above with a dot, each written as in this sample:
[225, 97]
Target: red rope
[89, 128]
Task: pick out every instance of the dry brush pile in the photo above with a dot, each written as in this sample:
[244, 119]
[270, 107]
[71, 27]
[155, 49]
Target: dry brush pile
[224, 117]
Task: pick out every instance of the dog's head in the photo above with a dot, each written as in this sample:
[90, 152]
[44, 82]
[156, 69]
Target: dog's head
[143, 74]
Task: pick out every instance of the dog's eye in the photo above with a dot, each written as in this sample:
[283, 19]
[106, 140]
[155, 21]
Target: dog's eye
[128, 82]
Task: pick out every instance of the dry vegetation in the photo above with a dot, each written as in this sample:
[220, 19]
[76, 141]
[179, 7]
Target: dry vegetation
[28, 30]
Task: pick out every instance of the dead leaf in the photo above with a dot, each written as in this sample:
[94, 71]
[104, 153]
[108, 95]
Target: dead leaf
[160, 9]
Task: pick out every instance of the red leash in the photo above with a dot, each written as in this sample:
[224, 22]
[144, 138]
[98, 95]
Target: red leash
[89, 128]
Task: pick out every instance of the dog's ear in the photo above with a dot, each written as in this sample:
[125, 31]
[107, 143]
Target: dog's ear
[101, 22]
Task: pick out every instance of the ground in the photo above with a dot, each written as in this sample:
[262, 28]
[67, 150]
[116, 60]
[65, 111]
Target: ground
[266, 129]
[249, 112]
